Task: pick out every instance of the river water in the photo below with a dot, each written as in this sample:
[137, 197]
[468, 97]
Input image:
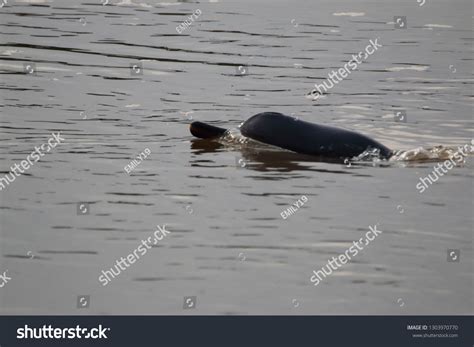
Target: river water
[116, 78]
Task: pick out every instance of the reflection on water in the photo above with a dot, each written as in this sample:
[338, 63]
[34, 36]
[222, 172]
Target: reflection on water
[81, 81]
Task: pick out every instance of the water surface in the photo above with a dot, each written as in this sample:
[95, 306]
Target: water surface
[229, 245]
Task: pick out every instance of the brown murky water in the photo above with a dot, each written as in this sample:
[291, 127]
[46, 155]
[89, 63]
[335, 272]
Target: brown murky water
[228, 244]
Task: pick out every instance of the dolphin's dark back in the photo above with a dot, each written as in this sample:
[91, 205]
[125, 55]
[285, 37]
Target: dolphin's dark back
[308, 138]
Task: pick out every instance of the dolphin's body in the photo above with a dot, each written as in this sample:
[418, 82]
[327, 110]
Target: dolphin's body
[299, 136]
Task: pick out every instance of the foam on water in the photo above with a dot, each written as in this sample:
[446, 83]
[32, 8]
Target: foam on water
[436, 153]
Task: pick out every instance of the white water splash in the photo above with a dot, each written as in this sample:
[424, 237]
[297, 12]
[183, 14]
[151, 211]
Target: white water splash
[371, 154]
[437, 153]
[419, 154]
[233, 136]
